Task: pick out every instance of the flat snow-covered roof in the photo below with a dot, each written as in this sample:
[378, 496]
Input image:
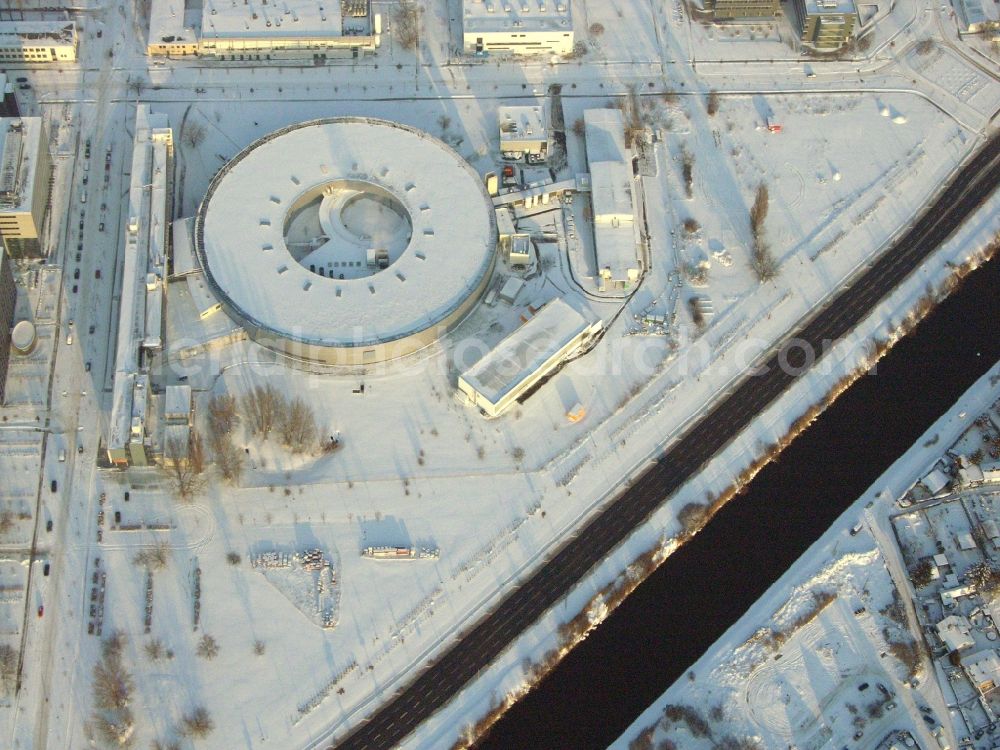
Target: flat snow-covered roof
[37, 31]
[604, 132]
[166, 22]
[526, 349]
[520, 16]
[521, 124]
[239, 235]
[256, 18]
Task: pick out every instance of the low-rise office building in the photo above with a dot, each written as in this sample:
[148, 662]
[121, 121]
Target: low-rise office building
[25, 168]
[38, 41]
[526, 356]
[826, 24]
[517, 27]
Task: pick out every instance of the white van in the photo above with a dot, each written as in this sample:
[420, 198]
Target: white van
[83, 196]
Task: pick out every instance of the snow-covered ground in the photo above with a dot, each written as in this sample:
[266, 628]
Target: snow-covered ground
[864, 145]
[791, 669]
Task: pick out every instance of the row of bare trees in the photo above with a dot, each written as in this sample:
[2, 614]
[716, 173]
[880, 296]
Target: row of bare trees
[264, 411]
[762, 260]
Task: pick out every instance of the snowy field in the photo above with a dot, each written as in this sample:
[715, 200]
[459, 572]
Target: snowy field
[858, 154]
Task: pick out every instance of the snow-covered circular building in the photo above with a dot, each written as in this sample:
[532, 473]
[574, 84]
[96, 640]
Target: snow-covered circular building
[347, 240]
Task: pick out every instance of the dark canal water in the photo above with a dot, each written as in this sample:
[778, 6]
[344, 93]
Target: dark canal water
[674, 616]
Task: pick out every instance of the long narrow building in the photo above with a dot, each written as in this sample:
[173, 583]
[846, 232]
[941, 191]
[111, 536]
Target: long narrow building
[140, 319]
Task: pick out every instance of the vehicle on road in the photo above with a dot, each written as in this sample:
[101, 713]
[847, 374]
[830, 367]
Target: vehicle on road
[100, 227]
[21, 79]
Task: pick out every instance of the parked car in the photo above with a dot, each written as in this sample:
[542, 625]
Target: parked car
[48, 525]
[22, 79]
[100, 227]
[24, 86]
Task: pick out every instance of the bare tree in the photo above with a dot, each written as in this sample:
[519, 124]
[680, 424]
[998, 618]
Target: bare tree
[155, 558]
[687, 168]
[406, 20]
[229, 460]
[115, 728]
[6, 522]
[758, 212]
[184, 472]
[194, 134]
[712, 103]
[113, 685]
[8, 669]
[762, 261]
[154, 649]
[579, 127]
[208, 647]
[262, 407]
[198, 723]
[298, 427]
[444, 122]
[222, 416]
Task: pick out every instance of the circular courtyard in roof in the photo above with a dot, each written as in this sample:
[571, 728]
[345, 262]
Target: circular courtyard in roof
[347, 240]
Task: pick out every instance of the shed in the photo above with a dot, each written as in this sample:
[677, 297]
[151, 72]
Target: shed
[177, 404]
[966, 542]
[511, 288]
[955, 632]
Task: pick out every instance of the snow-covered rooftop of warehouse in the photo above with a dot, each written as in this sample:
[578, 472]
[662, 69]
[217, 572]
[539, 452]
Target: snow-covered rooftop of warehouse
[255, 18]
[519, 15]
[166, 22]
[240, 232]
[604, 131]
[526, 349]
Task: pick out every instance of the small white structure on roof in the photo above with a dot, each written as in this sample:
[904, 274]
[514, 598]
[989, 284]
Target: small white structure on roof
[23, 337]
[523, 132]
[983, 668]
[616, 232]
[526, 356]
[519, 27]
[955, 632]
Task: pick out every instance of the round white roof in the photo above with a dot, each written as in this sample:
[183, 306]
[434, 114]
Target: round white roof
[23, 336]
[239, 234]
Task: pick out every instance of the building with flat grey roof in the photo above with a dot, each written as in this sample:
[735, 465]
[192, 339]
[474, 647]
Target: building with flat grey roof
[25, 168]
[518, 27]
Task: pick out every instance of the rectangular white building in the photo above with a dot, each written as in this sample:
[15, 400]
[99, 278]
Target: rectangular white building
[38, 41]
[141, 313]
[518, 27]
[616, 232]
[526, 356]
